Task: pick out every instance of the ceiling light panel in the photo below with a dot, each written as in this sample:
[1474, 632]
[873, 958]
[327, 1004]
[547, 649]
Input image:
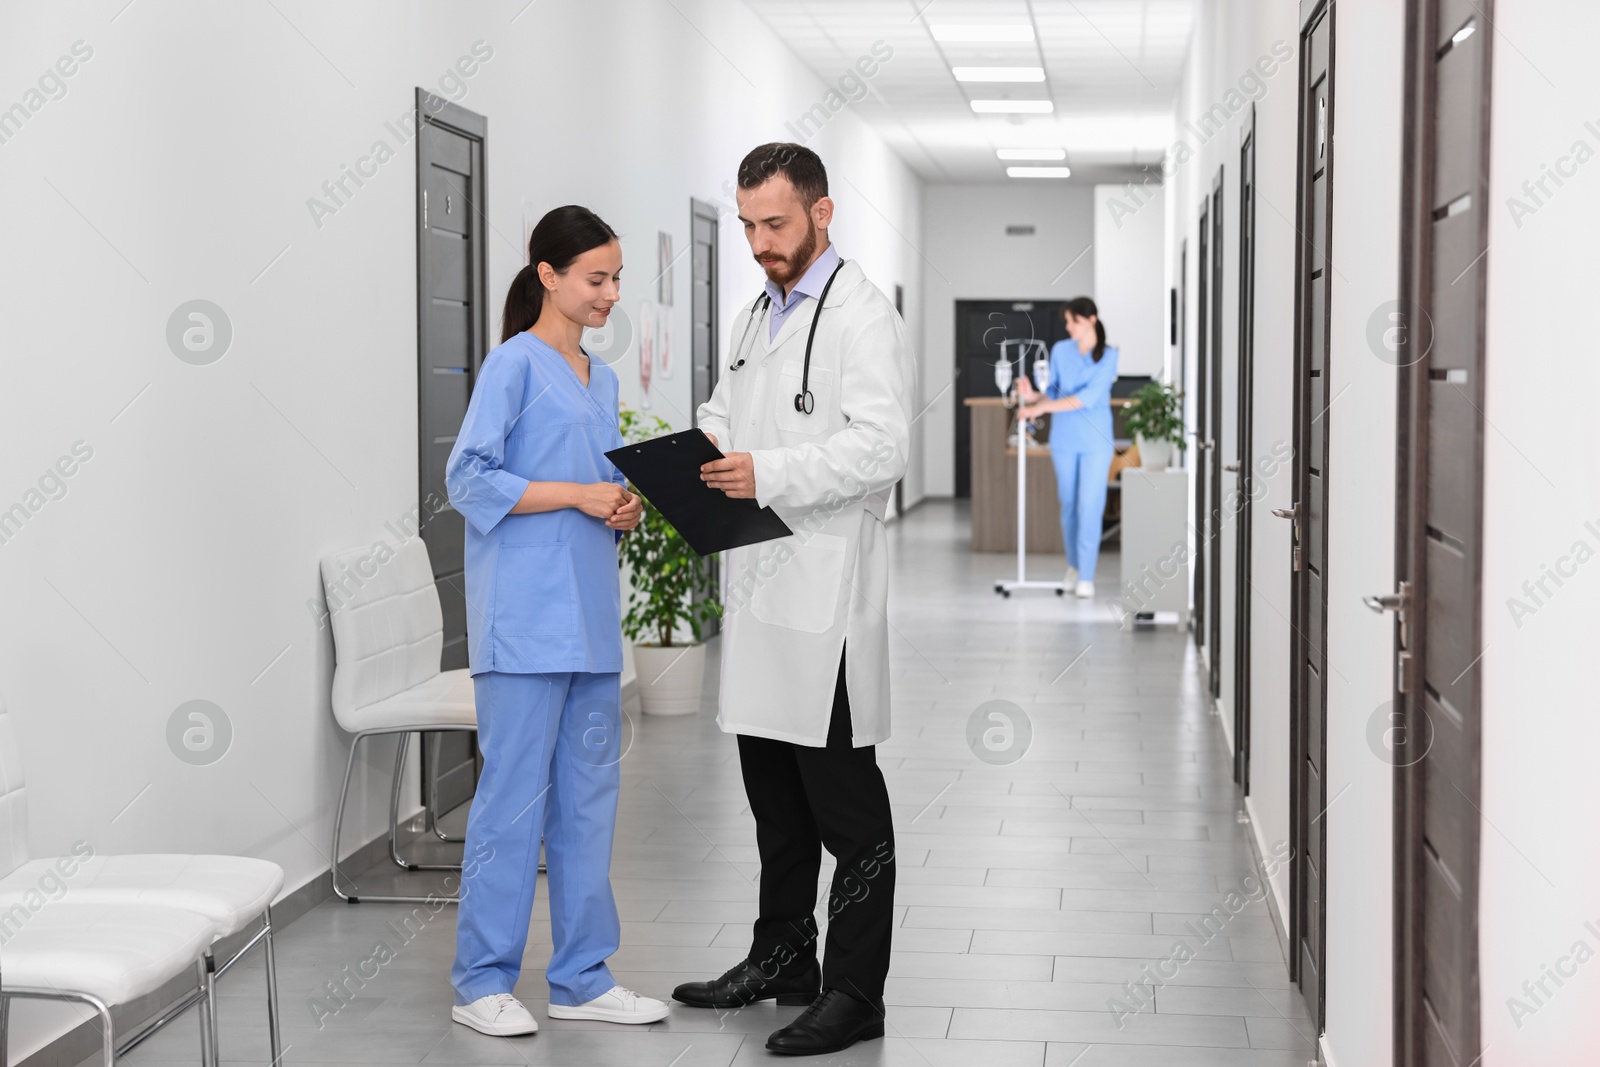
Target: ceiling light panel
[998, 74]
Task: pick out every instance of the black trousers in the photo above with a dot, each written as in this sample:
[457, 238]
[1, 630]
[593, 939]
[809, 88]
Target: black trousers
[805, 799]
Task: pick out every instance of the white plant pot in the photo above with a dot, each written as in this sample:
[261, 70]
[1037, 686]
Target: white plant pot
[1154, 455]
[669, 679]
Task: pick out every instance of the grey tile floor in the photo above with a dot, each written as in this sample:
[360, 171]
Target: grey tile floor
[1029, 893]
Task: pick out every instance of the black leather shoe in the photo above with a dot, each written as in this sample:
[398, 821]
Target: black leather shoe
[746, 984]
[836, 1020]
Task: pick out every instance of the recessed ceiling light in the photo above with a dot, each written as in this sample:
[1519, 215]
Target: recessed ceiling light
[1031, 153]
[998, 74]
[1038, 172]
[983, 32]
[1013, 107]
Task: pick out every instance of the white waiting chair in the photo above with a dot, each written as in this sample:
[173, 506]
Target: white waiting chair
[103, 930]
[388, 635]
[104, 955]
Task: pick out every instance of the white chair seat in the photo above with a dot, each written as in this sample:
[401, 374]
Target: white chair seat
[230, 891]
[446, 699]
[116, 952]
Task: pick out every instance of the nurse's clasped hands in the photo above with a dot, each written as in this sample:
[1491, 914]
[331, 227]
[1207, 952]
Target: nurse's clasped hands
[620, 509]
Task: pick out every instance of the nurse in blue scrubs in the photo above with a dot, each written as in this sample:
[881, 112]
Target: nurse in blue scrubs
[544, 510]
[1082, 368]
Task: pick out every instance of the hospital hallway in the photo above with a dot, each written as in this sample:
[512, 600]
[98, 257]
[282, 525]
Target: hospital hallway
[1029, 893]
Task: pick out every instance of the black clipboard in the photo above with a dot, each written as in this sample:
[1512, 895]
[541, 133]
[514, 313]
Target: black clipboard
[666, 471]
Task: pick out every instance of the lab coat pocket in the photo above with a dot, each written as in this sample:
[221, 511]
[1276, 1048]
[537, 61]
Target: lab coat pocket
[535, 590]
[790, 379]
[797, 583]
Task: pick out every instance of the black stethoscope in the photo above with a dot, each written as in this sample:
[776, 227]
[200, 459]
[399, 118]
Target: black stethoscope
[804, 402]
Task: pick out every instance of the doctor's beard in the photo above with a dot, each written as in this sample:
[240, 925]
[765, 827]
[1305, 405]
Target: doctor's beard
[789, 268]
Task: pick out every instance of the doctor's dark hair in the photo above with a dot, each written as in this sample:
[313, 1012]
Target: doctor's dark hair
[799, 164]
[1082, 307]
[564, 234]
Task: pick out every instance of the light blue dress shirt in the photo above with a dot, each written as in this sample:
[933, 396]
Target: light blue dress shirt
[1075, 373]
[542, 589]
[810, 285]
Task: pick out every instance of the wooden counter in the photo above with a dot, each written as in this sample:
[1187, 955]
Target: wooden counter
[994, 486]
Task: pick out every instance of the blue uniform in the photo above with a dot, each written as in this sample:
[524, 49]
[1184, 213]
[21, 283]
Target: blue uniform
[1081, 447]
[544, 641]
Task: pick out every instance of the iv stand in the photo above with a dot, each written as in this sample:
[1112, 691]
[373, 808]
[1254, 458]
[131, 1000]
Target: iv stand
[1024, 349]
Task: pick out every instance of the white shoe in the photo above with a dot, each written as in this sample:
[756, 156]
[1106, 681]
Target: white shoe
[619, 1005]
[498, 1015]
[1085, 590]
[1072, 577]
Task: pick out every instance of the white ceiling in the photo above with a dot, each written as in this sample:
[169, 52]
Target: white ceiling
[1111, 68]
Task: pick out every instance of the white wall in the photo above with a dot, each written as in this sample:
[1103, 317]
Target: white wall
[178, 165]
[1231, 36]
[1541, 493]
[1129, 263]
[968, 256]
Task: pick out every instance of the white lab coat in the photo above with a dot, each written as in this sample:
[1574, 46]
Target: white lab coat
[792, 604]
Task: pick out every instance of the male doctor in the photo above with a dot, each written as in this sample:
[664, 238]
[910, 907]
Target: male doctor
[805, 658]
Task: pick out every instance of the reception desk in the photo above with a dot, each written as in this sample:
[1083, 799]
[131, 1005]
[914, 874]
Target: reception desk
[994, 485]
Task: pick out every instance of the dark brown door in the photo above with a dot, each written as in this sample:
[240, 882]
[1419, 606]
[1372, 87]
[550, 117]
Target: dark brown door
[1241, 465]
[1438, 633]
[1212, 456]
[1308, 662]
[703, 339]
[452, 339]
[1202, 421]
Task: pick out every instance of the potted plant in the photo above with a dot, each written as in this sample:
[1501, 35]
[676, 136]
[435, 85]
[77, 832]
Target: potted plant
[1154, 418]
[671, 588]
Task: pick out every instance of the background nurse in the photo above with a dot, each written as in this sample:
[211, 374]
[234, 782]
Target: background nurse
[1082, 369]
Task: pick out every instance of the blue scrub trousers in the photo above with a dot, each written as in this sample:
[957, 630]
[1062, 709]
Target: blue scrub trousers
[551, 767]
[1081, 476]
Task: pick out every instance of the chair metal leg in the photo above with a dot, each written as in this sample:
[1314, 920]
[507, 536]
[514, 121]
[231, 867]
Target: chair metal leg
[338, 823]
[208, 967]
[5, 1030]
[394, 816]
[432, 802]
[273, 1032]
[109, 1051]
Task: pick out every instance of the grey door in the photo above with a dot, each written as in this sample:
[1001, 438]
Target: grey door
[452, 339]
[1202, 420]
[1241, 464]
[1213, 450]
[1439, 533]
[703, 328]
[1308, 796]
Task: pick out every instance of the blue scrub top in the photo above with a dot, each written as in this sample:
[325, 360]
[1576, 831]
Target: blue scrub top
[1075, 373]
[543, 594]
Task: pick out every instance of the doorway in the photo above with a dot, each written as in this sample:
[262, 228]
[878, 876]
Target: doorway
[452, 339]
[1202, 420]
[1212, 456]
[982, 327]
[703, 343]
[1308, 746]
[1438, 534]
[1241, 465]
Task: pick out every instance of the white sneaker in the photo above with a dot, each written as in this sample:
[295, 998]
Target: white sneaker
[1085, 590]
[498, 1015]
[619, 1005]
[1072, 577]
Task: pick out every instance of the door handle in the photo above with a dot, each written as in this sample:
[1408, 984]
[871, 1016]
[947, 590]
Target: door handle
[1231, 468]
[1399, 602]
[1208, 445]
[1292, 513]
[1384, 602]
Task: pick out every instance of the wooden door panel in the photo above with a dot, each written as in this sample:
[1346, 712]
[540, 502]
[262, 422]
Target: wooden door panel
[1450, 458]
[1457, 149]
[1447, 632]
[1317, 350]
[1453, 14]
[1314, 727]
[1442, 957]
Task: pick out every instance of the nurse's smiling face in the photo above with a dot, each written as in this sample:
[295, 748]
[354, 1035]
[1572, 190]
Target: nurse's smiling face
[586, 291]
[782, 231]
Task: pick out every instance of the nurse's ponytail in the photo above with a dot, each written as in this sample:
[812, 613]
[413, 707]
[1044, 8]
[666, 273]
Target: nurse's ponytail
[563, 235]
[1082, 307]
